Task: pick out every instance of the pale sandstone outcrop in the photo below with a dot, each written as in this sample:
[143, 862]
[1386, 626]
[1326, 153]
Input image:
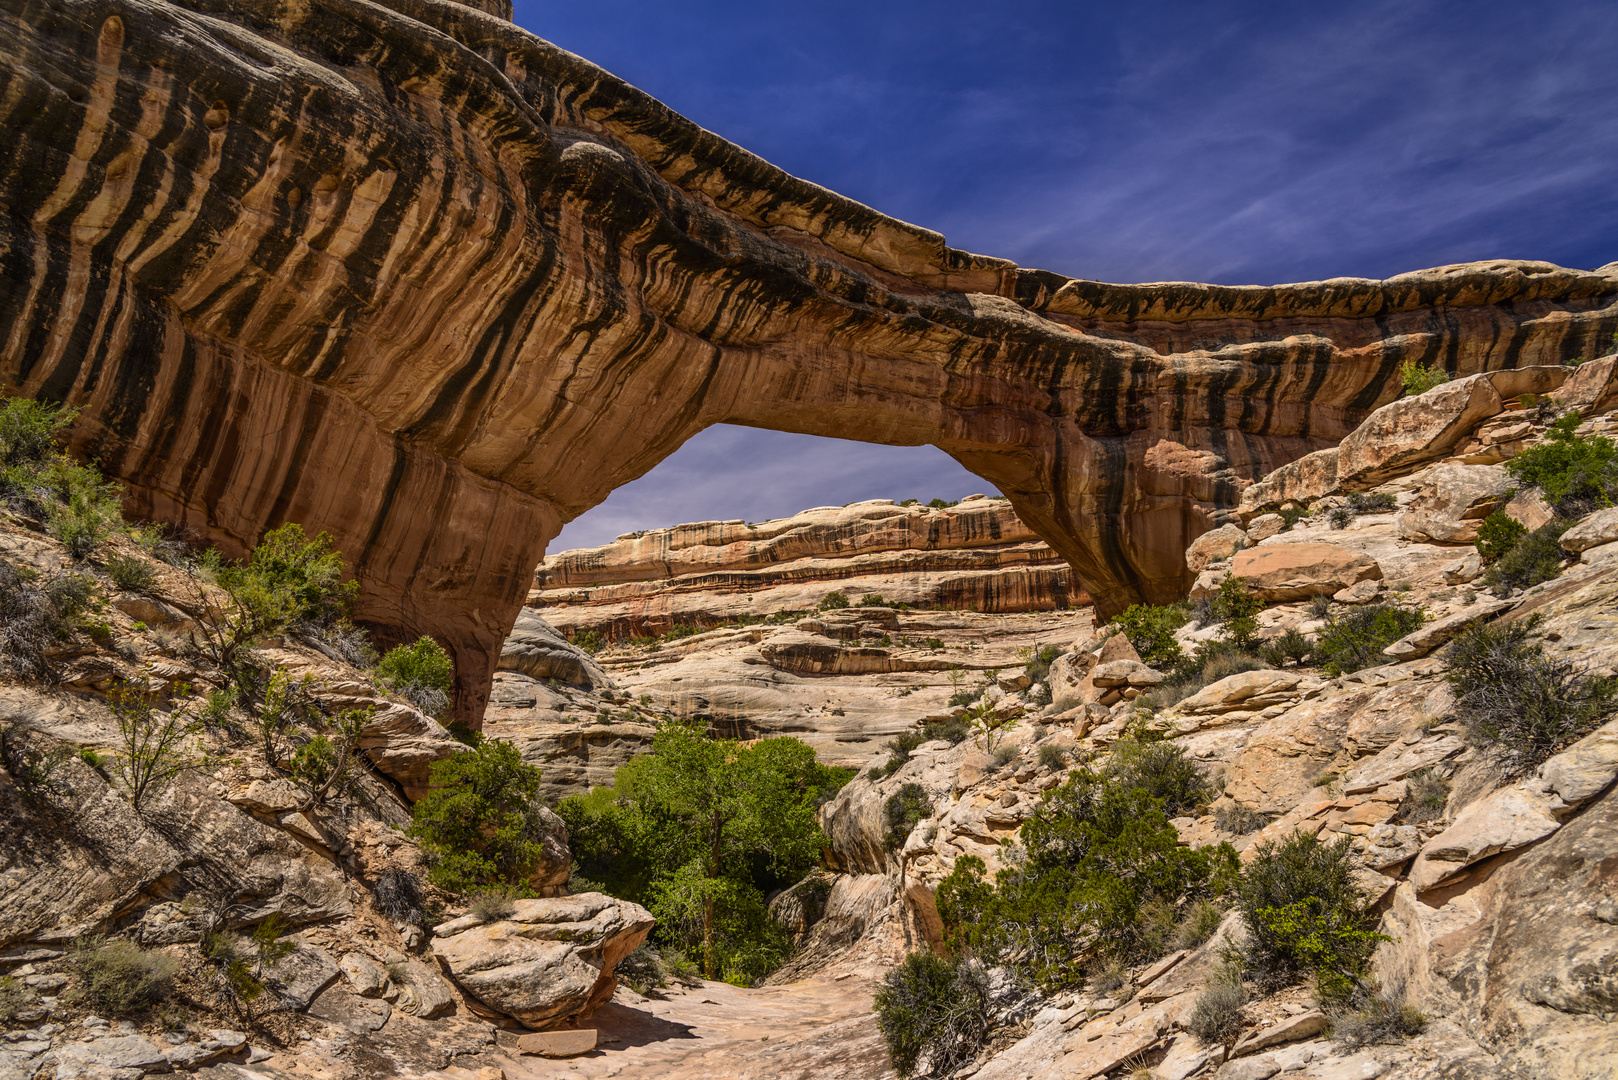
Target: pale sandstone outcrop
[1300, 570]
[1452, 501]
[1593, 530]
[550, 961]
[1214, 546]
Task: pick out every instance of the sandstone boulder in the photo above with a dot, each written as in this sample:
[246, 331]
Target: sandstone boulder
[550, 873]
[1426, 427]
[1300, 481]
[1593, 530]
[1452, 502]
[1529, 508]
[1215, 546]
[1506, 820]
[1419, 643]
[551, 961]
[1247, 690]
[1284, 572]
[1468, 567]
[1265, 526]
[535, 649]
[1125, 673]
[402, 742]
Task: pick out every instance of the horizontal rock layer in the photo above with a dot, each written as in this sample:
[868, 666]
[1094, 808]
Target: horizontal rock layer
[978, 555]
[409, 274]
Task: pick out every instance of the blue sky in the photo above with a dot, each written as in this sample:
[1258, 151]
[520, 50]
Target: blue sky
[1224, 142]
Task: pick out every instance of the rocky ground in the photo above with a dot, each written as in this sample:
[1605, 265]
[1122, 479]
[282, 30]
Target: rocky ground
[1501, 904]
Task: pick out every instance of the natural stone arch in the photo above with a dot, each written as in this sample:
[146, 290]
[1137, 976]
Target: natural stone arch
[414, 276]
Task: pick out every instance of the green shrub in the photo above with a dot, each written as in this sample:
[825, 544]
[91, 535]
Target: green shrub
[1497, 535]
[1163, 770]
[215, 711]
[1150, 630]
[32, 768]
[904, 810]
[1426, 797]
[156, 747]
[87, 512]
[1305, 916]
[942, 504]
[872, 600]
[323, 765]
[130, 573]
[1216, 1018]
[423, 674]
[1052, 757]
[29, 431]
[1168, 694]
[1577, 473]
[1534, 558]
[479, 824]
[290, 582]
[1418, 378]
[1355, 638]
[1373, 502]
[1341, 517]
[933, 1010]
[119, 978]
[588, 640]
[701, 830]
[1518, 706]
[1291, 645]
[1222, 662]
[832, 601]
[235, 970]
[1095, 856]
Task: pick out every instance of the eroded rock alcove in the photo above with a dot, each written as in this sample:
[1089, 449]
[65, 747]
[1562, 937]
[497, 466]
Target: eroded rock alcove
[412, 275]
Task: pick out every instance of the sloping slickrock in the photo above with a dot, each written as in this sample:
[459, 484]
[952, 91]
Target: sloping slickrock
[1292, 1029]
[1452, 502]
[116, 1052]
[551, 961]
[1592, 388]
[1584, 769]
[536, 650]
[1297, 571]
[84, 854]
[300, 976]
[1420, 642]
[1594, 530]
[1398, 761]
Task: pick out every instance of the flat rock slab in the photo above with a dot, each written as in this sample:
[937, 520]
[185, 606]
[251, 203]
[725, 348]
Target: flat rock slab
[113, 1052]
[558, 1044]
[1292, 1029]
[350, 1011]
[1421, 642]
[1297, 571]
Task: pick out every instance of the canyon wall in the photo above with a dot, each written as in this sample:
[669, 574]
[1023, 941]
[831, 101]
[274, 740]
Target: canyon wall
[975, 556]
[411, 275]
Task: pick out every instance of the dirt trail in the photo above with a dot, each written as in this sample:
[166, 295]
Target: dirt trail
[802, 1031]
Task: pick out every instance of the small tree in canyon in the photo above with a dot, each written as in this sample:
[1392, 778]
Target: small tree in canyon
[710, 818]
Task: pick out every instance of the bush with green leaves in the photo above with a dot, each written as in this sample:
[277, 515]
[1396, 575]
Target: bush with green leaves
[324, 766]
[289, 582]
[16, 999]
[1239, 820]
[1426, 797]
[1498, 534]
[933, 1011]
[119, 978]
[1355, 638]
[1093, 857]
[1516, 705]
[1162, 769]
[1291, 645]
[701, 830]
[1052, 757]
[1374, 1015]
[1150, 630]
[832, 601]
[1233, 607]
[130, 573]
[1577, 473]
[903, 811]
[80, 508]
[1418, 378]
[1534, 558]
[1305, 916]
[423, 674]
[155, 747]
[479, 824]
